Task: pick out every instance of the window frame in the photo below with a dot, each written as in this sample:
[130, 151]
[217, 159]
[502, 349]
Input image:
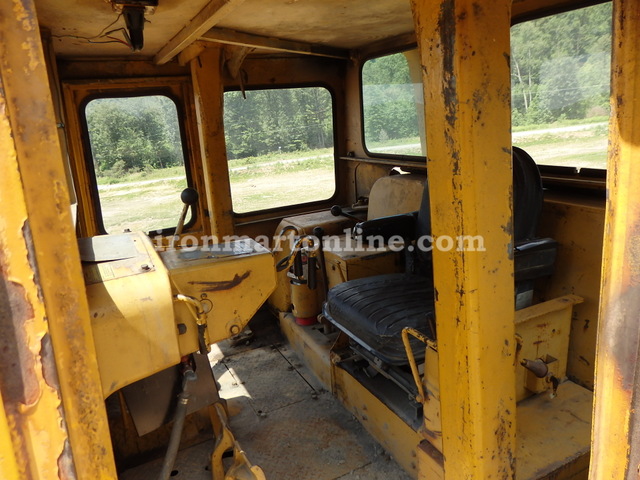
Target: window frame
[286, 208]
[417, 159]
[594, 178]
[89, 161]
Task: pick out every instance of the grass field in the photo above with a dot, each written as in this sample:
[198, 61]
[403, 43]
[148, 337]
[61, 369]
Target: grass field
[151, 200]
[144, 203]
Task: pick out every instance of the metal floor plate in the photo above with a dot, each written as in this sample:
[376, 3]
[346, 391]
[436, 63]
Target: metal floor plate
[286, 423]
[192, 464]
[292, 428]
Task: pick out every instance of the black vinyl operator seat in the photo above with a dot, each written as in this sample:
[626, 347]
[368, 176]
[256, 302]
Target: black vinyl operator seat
[373, 311]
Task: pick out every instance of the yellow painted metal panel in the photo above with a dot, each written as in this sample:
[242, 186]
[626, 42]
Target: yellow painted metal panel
[8, 464]
[577, 226]
[616, 447]
[131, 311]
[232, 286]
[206, 72]
[465, 56]
[35, 187]
[311, 344]
[544, 330]
[387, 428]
[30, 403]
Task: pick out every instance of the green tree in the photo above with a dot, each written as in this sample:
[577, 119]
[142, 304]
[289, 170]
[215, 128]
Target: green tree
[133, 134]
[560, 65]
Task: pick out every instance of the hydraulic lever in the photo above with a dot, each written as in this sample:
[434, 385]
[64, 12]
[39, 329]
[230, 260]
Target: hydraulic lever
[189, 197]
[336, 211]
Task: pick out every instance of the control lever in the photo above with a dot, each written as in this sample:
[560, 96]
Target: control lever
[336, 211]
[318, 232]
[189, 197]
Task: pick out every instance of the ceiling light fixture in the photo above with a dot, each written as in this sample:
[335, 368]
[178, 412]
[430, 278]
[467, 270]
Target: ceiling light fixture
[133, 12]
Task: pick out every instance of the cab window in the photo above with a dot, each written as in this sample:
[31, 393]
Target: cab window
[393, 105]
[560, 78]
[280, 147]
[138, 160]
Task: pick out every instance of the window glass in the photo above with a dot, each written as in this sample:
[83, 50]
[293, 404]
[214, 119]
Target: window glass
[560, 70]
[138, 161]
[393, 106]
[280, 147]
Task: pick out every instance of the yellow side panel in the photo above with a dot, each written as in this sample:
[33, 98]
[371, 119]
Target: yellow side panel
[232, 284]
[544, 329]
[132, 320]
[616, 445]
[8, 464]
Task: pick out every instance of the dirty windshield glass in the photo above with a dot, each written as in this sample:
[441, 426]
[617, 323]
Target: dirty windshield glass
[560, 69]
[138, 161]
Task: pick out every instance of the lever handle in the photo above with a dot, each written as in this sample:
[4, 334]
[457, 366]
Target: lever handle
[336, 211]
[189, 197]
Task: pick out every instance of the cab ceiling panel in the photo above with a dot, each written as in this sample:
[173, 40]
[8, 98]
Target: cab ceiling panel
[88, 28]
[77, 25]
[335, 23]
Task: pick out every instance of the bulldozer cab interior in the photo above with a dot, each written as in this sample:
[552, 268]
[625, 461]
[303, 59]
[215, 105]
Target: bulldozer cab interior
[395, 209]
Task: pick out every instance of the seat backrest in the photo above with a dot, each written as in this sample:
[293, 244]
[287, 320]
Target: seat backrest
[527, 196]
[527, 205]
[395, 194]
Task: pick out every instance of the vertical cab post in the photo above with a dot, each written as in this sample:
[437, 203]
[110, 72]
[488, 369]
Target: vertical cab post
[206, 73]
[615, 443]
[52, 398]
[465, 59]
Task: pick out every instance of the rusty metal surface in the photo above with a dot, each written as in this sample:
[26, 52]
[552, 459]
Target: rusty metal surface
[291, 428]
[578, 226]
[616, 431]
[47, 314]
[193, 463]
[465, 60]
[560, 450]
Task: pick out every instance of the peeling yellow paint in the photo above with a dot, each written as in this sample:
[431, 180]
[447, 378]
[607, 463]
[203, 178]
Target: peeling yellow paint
[474, 306]
[60, 412]
[40, 428]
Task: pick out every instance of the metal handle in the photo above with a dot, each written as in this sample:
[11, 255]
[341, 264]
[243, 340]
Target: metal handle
[406, 331]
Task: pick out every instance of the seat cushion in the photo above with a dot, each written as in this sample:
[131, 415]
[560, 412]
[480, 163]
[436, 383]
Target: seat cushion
[374, 310]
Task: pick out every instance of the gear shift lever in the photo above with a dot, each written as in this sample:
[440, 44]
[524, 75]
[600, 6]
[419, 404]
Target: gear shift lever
[336, 211]
[189, 197]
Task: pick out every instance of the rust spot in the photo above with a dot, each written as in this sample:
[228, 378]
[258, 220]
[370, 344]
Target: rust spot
[19, 383]
[585, 361]
[503, 437]
[447, 29]
[65, 462]
[224, 284]
[49, 371]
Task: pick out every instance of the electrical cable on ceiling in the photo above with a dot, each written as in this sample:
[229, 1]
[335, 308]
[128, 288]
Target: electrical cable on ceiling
[102, 34]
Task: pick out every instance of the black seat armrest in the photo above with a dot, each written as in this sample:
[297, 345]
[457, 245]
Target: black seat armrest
[534, 258]
[403, 224]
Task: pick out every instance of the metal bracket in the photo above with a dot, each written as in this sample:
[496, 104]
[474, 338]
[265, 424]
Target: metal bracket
[241, 469]
[406, 331]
